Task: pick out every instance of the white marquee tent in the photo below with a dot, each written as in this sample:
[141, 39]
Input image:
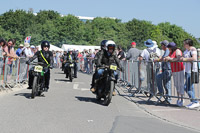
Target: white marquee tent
[80, 48]
[52, 47]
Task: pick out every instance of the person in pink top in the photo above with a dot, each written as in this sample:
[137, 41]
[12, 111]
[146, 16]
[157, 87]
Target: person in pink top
[177, 70]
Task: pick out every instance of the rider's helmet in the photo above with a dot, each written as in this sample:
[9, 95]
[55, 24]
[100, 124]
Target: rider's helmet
[110, 45]
[45, 44]
[103, 44]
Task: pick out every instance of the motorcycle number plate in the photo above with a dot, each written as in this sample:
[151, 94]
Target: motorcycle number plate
[71, 65]
[112, 67]
[38, 68]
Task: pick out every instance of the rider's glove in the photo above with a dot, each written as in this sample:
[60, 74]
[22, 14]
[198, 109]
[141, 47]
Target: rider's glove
[28, 62]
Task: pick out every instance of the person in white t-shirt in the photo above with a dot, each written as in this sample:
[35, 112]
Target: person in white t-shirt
[190, 54]
[27, 50]
[152, 47]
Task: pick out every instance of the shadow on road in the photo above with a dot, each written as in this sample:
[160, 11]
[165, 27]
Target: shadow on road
[27, 95]
[63, 80]
[88, 99]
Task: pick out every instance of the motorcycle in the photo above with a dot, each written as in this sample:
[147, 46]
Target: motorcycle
[39, 79]
[69, 70]
[106, 84]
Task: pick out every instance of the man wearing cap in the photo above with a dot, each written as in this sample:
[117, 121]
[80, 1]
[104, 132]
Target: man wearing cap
[133, 52]
[19, 51]
[32, 50]
[164, 78]
[27, 50]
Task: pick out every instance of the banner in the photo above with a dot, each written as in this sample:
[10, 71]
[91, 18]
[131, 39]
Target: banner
[27, 39]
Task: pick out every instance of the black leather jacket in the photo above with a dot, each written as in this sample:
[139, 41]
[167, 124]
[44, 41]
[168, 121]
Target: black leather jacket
[48, 55]
[105, 59]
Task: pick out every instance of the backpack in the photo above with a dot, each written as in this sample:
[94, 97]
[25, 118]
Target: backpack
[152, 54]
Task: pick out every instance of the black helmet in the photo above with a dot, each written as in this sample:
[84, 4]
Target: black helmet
[45, 44]
[103, 44]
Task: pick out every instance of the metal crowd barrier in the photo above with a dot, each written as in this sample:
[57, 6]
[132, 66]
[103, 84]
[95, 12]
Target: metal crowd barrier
[140, 77]
[14, 72]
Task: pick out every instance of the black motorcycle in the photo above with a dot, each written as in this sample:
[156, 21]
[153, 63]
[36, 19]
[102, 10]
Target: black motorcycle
[39, 79]
[106, 84]
[69, 70]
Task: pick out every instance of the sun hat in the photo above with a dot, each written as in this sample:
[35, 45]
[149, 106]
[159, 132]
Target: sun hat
[149, 43]
[21, 45]
[26, 45]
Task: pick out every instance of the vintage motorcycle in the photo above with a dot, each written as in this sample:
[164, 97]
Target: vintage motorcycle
[106, 84]
[69, 70]
[39, 79]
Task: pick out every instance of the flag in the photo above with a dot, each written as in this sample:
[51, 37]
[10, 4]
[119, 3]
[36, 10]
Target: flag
[27, 39]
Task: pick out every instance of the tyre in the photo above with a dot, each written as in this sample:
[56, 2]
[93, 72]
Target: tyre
[108, 96]
[34, 88]
[70, 75]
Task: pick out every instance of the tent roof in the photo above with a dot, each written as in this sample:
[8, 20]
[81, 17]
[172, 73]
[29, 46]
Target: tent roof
[80, 48]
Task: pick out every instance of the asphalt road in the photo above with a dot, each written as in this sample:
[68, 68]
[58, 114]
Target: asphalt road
[71, 108]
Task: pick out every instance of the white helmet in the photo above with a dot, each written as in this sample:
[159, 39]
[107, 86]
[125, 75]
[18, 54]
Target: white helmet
[110, 43]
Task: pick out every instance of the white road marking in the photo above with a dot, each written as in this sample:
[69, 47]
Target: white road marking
[75, 86]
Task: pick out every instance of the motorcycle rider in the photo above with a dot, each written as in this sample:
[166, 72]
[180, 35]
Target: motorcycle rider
[70, 58]
[108, 57]
[103, 47]
[63, 58]
[46, 57]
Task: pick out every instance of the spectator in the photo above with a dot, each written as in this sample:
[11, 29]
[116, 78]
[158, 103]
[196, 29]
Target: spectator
[2, 45]
[20, 51]
[177, 70]
[32, 50]
[91, 62]
[133, 52]
[9, 50]
[36, 49]
[2, 53]
[190, 54]
[28, 50]
[164, 78]
[151, 68]
[120, 54]
[86, 54]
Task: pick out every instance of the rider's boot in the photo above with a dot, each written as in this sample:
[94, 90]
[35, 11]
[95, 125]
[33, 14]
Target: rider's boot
[93, 86]
[114, 92]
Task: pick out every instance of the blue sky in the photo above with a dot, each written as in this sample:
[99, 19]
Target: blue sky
[184, 13]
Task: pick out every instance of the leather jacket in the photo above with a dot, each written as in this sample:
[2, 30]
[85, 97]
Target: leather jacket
[106, 59]
[48, 55]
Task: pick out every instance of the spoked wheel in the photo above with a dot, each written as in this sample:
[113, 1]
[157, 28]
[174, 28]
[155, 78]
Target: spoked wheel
[34, 89]
[108, 95]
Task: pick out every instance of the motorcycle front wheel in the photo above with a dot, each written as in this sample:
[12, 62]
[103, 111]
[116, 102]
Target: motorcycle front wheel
[34, 89]
[108, 96]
